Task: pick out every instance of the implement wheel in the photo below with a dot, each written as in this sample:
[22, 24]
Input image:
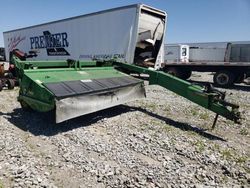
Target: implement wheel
[223, 78]
[10, 84]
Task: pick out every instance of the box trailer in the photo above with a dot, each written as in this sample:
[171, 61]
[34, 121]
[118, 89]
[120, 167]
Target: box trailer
[230, 64]
[238, 53]
[206, 54]
[131, 34]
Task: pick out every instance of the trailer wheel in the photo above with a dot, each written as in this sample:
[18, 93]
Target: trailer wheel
[223, 78]
[173, 71]
[186, 75]
[10, 84]
[1, 85]
[239, 78]
[10, 75]
[178, 72]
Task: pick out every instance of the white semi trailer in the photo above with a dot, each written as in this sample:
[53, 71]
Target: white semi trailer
[230, 64]
[133, 34]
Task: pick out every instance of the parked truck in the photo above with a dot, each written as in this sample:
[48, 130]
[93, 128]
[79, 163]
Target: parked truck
[230, 65]
[133, 33]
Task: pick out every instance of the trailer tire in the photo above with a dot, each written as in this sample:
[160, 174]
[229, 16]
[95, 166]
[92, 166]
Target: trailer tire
[239, 78]
[10, 84]
[178, 72]
[173, 71]
[223, 78]
[1, 85]
[186, 75]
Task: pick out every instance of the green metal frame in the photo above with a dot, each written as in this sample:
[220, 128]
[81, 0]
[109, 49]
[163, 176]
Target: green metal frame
[212, 100]
[32, 92]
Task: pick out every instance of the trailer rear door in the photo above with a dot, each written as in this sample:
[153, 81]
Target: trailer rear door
[150, 38]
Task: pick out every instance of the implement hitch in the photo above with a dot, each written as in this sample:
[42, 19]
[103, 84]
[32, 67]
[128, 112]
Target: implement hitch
[221, 99]
[207, 97]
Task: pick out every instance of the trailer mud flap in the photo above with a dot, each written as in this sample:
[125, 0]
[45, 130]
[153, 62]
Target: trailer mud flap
[75, 106]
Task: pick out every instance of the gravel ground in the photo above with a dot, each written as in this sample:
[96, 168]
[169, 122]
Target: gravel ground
[160, 141]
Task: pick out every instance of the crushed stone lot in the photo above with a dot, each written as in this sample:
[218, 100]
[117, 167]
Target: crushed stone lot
[160, 141]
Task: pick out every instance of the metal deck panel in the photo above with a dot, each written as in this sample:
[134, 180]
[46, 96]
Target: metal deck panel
[79, 87]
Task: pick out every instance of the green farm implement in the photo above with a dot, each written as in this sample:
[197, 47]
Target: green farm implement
[74, 88]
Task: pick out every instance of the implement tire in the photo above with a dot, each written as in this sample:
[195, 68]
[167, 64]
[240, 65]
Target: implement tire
[223, 78]
[10, 84]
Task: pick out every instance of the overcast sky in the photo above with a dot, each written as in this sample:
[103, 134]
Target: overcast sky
[188, 20]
